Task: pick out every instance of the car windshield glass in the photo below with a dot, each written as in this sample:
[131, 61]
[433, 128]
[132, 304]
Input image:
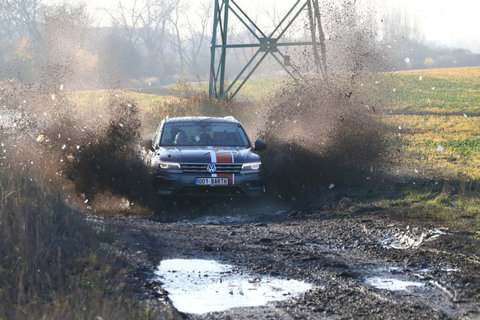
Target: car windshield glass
[202, 133]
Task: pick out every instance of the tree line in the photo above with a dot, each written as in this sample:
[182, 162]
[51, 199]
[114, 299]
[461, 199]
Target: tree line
[155, 42]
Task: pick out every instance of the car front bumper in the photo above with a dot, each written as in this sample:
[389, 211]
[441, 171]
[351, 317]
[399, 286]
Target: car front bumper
[183, 184]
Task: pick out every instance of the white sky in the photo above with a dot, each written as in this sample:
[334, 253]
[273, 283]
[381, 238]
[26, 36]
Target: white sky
[446, 22]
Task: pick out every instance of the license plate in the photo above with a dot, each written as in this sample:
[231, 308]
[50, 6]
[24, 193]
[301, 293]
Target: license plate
[211, 181]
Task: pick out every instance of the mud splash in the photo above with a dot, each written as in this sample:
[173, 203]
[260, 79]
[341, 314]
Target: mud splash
[201, 286]
[92, 155]
[326, 132]
[322, 133]
[110, 160]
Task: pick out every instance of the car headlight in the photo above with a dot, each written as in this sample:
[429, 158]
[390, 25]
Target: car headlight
[251, 167]
[169, 166]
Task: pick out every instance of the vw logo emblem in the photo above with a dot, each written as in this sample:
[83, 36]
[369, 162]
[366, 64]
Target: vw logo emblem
[211, 168]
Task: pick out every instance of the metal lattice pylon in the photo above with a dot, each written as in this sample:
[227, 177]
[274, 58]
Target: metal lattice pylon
[267, 44]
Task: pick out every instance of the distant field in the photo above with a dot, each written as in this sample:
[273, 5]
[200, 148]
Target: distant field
[438, 146]
[145, 102]
[253, 89]
[438, 90]
[443, 144]
[468, 74]
[434, 90]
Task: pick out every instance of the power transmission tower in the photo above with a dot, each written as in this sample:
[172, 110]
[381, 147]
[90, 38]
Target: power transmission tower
[266, 44]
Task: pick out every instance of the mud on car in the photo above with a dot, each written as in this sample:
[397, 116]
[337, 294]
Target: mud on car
[204, 156]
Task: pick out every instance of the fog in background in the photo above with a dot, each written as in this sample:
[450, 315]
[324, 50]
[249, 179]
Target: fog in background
[150, 43]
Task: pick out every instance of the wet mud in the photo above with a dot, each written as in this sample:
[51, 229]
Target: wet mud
[353, 272]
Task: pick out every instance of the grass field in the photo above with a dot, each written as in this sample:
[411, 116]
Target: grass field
[146, 102]
[438, 90]
[427, 90]
[445, 146]
[443, 143]
[446, 138]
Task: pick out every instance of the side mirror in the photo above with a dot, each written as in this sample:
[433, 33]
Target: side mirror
[147, 145]
[260, 146]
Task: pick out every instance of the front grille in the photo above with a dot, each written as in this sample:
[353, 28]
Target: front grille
[202, 167]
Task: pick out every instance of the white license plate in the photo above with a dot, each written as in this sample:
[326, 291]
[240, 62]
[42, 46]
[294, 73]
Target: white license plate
[211, 181]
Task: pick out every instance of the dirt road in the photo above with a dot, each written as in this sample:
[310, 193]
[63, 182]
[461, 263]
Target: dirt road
[352, 261]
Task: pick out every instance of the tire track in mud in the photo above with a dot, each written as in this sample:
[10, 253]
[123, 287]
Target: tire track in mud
[335, 254]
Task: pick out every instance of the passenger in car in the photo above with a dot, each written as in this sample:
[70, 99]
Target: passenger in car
[222, 138]
[180, 138]
[205, 139]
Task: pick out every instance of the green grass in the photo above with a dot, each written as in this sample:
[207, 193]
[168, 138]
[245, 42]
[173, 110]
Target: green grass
[459, 209]
[461, 147]
[448, 145]
[445, 145]
[424, 93]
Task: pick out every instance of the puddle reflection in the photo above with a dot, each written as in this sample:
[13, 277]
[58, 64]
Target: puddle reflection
[201, 286]
[391, 283]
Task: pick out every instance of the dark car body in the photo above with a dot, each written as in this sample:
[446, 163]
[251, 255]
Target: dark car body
[204, 156]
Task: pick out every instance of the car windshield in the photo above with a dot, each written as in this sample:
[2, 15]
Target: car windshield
[203, 133]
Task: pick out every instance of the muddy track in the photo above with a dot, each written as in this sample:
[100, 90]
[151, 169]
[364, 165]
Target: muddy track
[337, 254]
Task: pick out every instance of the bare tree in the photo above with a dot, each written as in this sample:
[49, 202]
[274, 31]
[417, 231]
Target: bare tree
[20, 18]
[37, 36]
[155, 32]
[191, 35]
[146, 25]
[129, 20]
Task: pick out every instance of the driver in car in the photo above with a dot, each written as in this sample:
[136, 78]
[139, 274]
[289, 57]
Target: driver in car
[180, 138]
[222, 138]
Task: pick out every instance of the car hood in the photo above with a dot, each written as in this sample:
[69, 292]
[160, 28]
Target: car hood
[206, 154]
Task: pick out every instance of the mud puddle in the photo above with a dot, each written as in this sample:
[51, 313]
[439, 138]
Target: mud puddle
[200, 286]
[392, 284]
[240, 218]
[408, 239]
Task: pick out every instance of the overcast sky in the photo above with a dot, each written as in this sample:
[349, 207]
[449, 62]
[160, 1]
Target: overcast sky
[452, 23]
[448, 22]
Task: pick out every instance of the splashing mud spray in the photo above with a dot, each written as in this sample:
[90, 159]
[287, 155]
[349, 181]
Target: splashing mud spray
[324, 133]
[321, 133]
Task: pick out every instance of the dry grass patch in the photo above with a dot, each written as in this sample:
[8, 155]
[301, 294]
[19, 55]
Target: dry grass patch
[452, 74]
[448, 145]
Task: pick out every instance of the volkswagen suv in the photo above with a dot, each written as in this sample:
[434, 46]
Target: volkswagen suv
[205, 156]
